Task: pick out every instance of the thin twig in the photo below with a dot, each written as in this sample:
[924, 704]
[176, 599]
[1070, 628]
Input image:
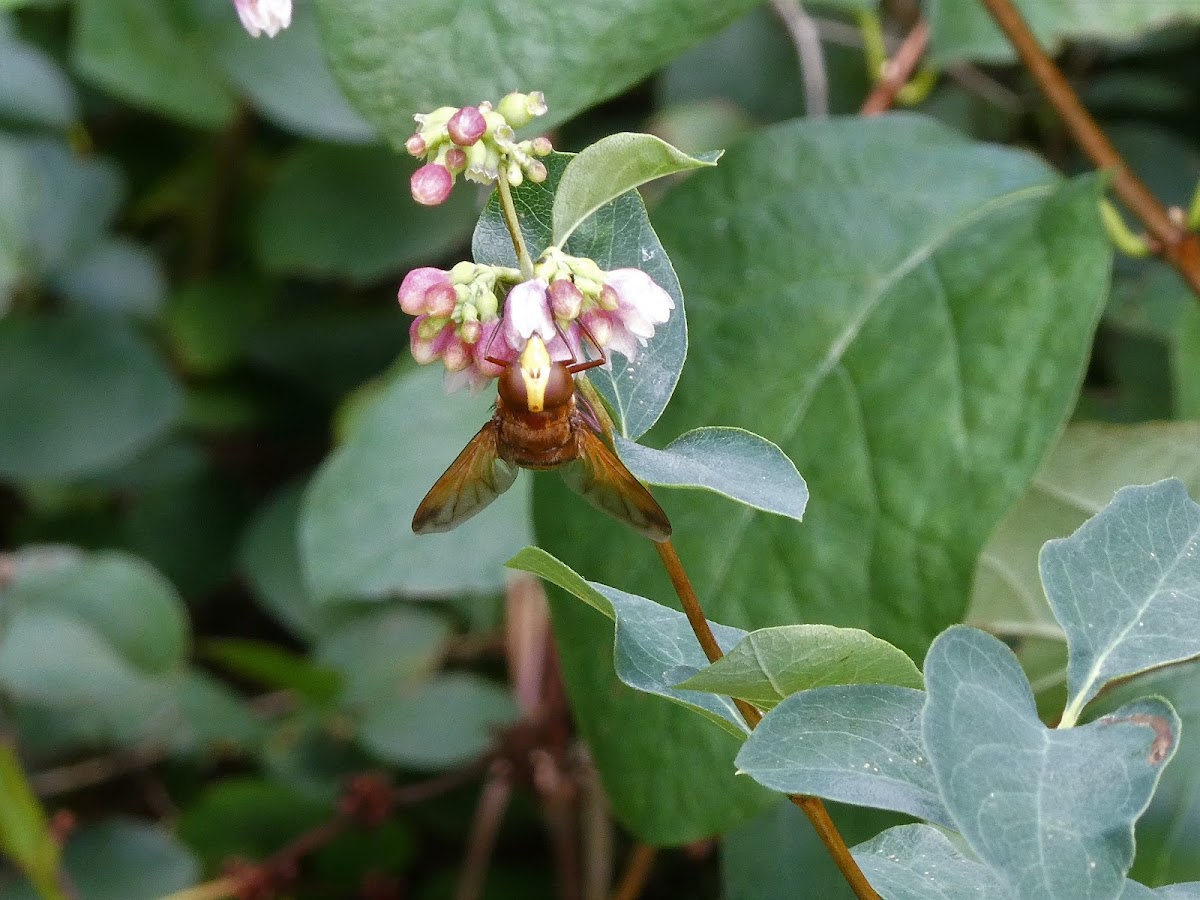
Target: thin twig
[806, 37]
[811, 806]
[637, 873]
[514, 227]
[493, 802]
[1180, 247]
[897, 71]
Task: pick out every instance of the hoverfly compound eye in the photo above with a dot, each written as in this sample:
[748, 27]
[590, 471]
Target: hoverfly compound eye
[511, 387]
[559, 387]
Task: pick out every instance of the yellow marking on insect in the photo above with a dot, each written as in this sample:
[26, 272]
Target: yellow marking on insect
[535, 372]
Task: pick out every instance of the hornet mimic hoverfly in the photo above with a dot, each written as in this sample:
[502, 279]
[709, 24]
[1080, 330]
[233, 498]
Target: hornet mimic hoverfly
[539, 423]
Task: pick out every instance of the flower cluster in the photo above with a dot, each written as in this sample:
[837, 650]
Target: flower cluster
[264, 16]
[458, 319]
[477, 142]
[457, 316]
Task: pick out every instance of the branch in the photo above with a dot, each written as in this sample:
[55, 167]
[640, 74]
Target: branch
[897, 71]
[811, 806]
[1180, 247]
[806, 37]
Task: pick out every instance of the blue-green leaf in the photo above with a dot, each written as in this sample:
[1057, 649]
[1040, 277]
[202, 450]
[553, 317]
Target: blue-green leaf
[1050, 811]
[1126, 588]
[654, 648]
[860, 744]
[733, 462]
[918, 862]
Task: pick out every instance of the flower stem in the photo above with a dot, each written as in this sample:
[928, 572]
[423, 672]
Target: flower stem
[514, 227]
[1180, 247]
[811, 806]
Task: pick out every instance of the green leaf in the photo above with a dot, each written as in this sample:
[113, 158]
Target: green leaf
[394, 60]
[770, 664]
[1185, 365]
[654, 648]
[36, 90]
[275, 667]
[79, 394]
[75, 202]
[286, 78]
[210, 322]
[356, 535]
[1025, 796]
[247, 818]
[115, 276]
[382, 652]
[18, 200]
[152, 55]
[858, 744]
[123, 599]
[918, 861]
[618, 236]
[347, 212]
[269, 558]
[25, 836]
[731, 462]
[913, 342]
[1126, 588]
[437, 724]
[608, 168]
[965, 30]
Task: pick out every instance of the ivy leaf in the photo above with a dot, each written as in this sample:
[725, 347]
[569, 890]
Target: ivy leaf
[1050, 811]
[1126, 588]
[732, 462]
[617, 236]
[608, 168]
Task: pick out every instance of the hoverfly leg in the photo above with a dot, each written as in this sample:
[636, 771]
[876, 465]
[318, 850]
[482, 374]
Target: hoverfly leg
[575, 365]
[487, 351]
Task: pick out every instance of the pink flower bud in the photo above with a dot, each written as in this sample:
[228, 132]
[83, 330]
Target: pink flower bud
[424, 350]
[456, 160]
[431, 184]
[565, 299]
[608, 298]
[541, 146]
[466, 126]
[536, 171]
[600, 326]
[457, 356]
[470, 332]
[416, 285]
[441, 299]
[416, 146]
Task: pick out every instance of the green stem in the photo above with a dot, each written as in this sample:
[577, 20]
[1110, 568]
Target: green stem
[514, 227]
[1118, 232]
[1193, 217]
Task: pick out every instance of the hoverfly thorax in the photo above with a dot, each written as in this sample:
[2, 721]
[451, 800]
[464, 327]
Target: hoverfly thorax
[534, 382]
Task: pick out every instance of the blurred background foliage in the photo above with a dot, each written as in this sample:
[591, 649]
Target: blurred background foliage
[212, 610]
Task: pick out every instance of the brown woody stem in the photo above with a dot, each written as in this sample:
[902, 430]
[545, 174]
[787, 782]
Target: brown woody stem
[811, 806]
[1180, 247]
[897, 71]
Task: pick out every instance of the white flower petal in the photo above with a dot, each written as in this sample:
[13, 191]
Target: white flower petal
[637, 290]
[269, 16]
[527, 312]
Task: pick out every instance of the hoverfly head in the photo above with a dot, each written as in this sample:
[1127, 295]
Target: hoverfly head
[534, 381]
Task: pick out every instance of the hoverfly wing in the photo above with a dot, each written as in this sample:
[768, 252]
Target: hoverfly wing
[601, 478]
[476, 477]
